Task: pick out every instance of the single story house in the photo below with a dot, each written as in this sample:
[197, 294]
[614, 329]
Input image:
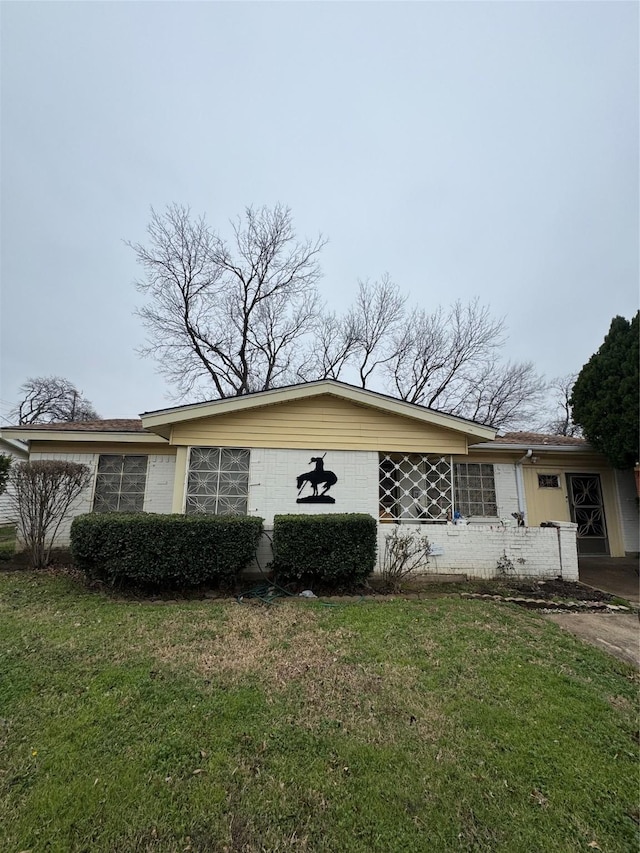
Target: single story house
[327, 446]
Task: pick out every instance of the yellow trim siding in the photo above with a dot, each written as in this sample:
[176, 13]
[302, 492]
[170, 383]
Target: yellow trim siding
[180, 480]
[322, 422]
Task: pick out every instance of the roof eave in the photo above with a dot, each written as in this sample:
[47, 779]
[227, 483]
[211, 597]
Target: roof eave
[571, 448]
[27, 436]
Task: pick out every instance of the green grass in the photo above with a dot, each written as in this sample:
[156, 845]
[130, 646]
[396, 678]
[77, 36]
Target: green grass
[440, 724]
[7, 541]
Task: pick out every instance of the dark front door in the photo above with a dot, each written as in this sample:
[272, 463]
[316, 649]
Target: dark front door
[587, 511]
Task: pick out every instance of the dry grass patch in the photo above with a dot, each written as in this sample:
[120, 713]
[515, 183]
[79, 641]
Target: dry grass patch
[289, 651]
[274, 644]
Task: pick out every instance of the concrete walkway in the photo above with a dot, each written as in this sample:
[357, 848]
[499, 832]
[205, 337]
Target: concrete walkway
[615, 575]
[615, 633]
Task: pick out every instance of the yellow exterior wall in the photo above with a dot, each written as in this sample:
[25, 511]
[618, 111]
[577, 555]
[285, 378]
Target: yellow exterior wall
[553, 504]
[323, 423]
[116, 447]
[179, 483]
[545, 504]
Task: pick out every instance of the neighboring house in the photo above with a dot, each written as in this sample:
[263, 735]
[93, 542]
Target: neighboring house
[330, 447]
[19, 452]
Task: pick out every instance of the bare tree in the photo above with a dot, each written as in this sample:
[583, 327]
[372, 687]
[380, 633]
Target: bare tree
[231, 315]
[561, 422]
[375, 319]
[42, 495]
[51, 399]
[330, 349]
[440, 354]
[244, 315]
[505, 396]
[449, 360]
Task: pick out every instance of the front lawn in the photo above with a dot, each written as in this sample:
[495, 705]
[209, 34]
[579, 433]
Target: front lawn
[441, 724]
[7, 541]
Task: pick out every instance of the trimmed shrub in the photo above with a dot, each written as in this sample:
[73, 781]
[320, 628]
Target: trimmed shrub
[163, 550]
[333, 549]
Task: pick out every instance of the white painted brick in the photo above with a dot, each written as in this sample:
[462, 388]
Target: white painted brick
[158, 494]
[628, 510]
[506, 490]
[474, 550]
[273, 489]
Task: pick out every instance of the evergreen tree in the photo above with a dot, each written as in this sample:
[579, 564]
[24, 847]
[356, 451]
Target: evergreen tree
[605, 397]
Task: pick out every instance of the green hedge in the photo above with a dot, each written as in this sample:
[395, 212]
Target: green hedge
[333, 548]
[163, 550]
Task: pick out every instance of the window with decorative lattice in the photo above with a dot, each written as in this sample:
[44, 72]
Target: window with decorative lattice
[415, 487]
[218, 481]
[120, 483]
[548, 481]
[475, 490]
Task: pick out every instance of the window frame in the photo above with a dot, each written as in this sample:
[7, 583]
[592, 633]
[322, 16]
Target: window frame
[556, 485]
[220, 449]
[461, 503]
[96, 480]
[400, 504]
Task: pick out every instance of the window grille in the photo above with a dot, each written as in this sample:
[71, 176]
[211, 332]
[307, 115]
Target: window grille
[120, 484]
[415, 487]
[475, 490]
[548, 481]
[218, 481]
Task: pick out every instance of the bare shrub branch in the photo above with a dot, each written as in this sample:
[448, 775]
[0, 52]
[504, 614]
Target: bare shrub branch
[42, 495]
[405, 551]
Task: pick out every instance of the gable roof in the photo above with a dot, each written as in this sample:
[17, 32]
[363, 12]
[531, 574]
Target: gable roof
[161, 420]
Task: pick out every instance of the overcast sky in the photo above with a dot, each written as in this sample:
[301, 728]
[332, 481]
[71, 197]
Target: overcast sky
[466, 149]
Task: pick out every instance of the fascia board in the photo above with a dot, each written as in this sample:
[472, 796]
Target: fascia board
[496, 447]
[83, 436]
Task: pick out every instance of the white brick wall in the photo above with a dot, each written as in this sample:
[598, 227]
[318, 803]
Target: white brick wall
[628, 509]
[273, 490]
[506, 489]
[475, 549]
[158, 494]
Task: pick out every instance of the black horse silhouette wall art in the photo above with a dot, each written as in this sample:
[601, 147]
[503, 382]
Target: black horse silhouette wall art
[315, 478]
